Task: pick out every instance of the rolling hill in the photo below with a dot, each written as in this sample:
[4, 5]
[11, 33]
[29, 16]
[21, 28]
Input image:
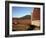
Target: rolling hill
[24, 17]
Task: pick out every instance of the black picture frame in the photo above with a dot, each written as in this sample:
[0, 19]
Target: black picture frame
[7, 18]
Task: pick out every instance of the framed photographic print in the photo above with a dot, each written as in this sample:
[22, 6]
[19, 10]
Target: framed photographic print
[24, 18]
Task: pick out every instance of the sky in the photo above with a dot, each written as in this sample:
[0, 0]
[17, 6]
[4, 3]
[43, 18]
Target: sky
[21, 11]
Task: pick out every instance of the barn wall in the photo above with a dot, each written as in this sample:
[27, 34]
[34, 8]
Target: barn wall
[36, 17]
[36, 14]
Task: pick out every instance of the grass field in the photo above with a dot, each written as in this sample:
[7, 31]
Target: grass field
[20, 27]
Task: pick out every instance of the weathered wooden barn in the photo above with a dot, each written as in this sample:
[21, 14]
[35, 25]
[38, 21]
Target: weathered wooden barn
[35, 17]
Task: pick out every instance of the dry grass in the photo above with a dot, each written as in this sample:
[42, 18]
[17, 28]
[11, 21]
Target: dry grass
[20, 27]
[23, 25]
